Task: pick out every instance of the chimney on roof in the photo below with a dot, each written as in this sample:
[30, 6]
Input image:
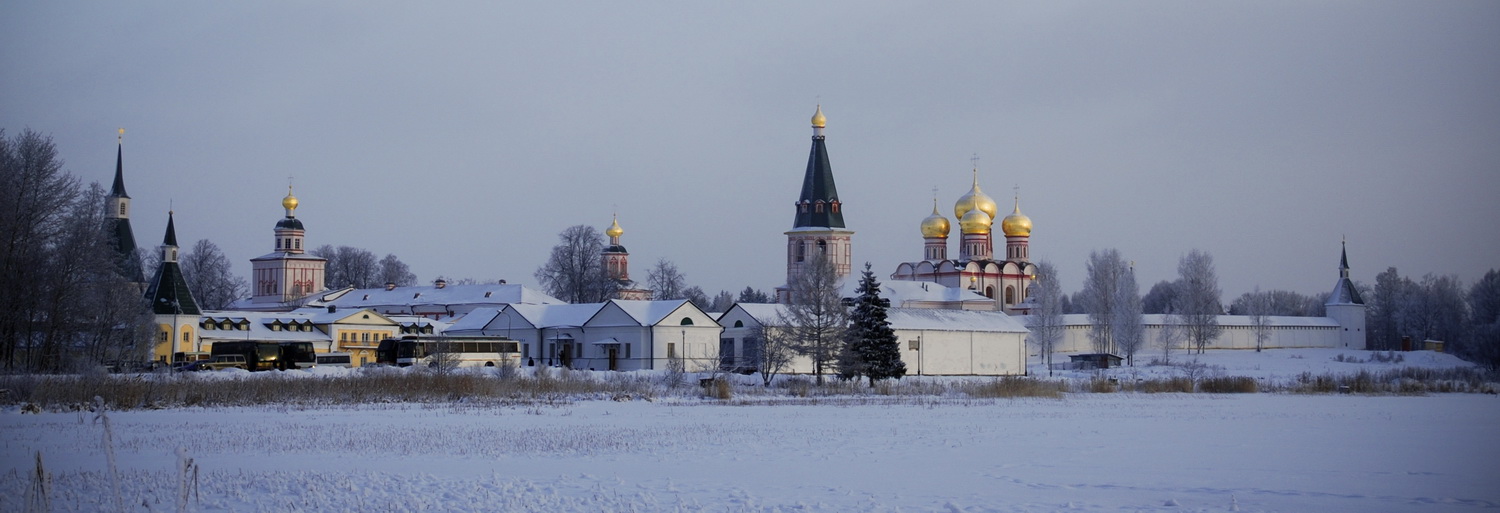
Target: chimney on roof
[440, 283]
[390, 285]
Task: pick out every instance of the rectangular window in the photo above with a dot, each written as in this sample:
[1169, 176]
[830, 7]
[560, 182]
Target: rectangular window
[627, 350]
[671, 349]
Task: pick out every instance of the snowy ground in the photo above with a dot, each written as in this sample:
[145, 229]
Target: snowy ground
[1086, 452]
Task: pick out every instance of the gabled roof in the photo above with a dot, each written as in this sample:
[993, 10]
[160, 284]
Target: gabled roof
[558, 315]
[651, 313]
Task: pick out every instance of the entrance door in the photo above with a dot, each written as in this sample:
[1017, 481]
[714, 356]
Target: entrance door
[614, 355]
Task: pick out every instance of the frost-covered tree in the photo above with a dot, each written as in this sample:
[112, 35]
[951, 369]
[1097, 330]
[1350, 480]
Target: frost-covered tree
[1099, 296]
[1483, 342]
[1160, 298]
[392, 270]
[721, 302]
[574, 271]
[1129, 327]
[1198, 299]
[211, 276]
[697, 297]
[1279, 302]
[1045, 320]
[870, 348]
[816, 315]
[1381, 314]
[1169, 337]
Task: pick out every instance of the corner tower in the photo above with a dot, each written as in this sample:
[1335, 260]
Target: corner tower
[818, 229]
[1346, 307]
[172, 304]
[117, 223]
[289, 273]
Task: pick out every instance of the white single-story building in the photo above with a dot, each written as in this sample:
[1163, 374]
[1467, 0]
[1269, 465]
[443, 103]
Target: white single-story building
[614, 335]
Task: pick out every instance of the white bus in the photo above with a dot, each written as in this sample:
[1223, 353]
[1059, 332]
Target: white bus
[333, 359]
[428, 351]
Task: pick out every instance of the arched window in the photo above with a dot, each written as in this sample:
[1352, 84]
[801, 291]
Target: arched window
[989, 292]
[687, 321]
[801, 250]
[739, 324]
[822, 247]
[1010, 295]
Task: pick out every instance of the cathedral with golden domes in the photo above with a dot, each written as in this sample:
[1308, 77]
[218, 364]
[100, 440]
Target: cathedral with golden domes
[1005, 280]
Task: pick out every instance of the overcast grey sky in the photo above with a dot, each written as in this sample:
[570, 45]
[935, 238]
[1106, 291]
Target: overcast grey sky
[463, 138]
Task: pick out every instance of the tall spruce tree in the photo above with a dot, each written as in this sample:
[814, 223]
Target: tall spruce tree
[871, 348]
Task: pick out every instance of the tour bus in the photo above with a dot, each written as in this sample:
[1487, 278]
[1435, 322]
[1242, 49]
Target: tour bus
[430, 351]
[333, 359]
[261, 355]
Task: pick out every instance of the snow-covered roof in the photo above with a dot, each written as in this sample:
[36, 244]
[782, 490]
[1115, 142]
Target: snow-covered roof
[767, 314]
[480, 294]
[1344, 293]
[649, 313]
[557, 316]
[953, 320]
[900, 292]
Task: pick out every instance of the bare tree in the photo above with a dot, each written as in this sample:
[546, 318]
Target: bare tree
[1198, 301]
[1170, 336]
[1045, 319]
[211, 276]
[774, 348]
[816, 313]
[1099, 296]
[665, 281]
[575, 272]
[1259, 306]
[35, 196]
[393, 270]
[1279, 302]
[349, 267]
[1128, 326]
[696, 296]
[443, 355]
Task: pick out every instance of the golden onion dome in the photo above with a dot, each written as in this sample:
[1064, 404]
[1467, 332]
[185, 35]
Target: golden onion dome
[976, 221]
[290, 201]
[935, 225]
[818, 121]
[614, 229]
[1016, 224]
[975, 199]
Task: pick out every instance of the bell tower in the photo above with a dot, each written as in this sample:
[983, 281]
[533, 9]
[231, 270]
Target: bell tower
[818, 229]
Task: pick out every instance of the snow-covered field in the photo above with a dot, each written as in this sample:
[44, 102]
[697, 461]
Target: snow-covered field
[1086, 452]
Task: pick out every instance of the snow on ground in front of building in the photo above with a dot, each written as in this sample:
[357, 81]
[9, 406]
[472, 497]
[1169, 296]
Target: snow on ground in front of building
[1086, 452]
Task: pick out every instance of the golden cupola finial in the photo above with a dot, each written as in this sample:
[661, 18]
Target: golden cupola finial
[935, 225]
[614, 229]
[289, 202]
[1016, 224]
[975, 199]
[818, 121]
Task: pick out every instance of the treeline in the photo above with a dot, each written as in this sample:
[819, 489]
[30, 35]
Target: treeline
[63, 299]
